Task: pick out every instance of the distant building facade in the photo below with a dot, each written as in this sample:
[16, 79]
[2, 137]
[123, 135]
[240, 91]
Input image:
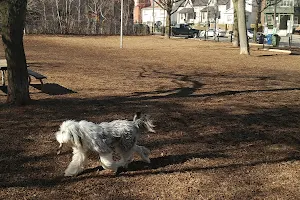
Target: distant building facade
[200, 12]
[138, 6]
[287, 14]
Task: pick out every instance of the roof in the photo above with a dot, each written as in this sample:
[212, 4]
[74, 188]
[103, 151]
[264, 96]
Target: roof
[204, 2]
[186, 10]
[180, 3]
[199, 2]
[210, 9]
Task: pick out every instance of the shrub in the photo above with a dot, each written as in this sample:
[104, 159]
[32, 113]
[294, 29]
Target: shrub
[141, 29]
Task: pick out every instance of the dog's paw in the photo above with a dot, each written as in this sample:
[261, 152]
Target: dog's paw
[146, 151]
[69, 174]
[147, 160]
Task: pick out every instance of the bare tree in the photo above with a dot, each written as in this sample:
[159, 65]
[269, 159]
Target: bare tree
[58, 16]
[244, 45]
[170, 6]
[13, 14]
[257, 19]
[236, 41]
[78, 16]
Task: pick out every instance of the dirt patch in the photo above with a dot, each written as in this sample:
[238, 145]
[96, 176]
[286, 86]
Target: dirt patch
[227, 125]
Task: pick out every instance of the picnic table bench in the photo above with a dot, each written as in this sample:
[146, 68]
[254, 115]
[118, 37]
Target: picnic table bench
[36, 75]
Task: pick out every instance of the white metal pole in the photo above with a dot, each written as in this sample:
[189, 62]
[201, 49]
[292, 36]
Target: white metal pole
[121, 31]
[153, 18]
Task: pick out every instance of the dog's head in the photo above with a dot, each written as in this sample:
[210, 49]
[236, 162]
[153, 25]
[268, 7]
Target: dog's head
[68, 134]
[144, 122]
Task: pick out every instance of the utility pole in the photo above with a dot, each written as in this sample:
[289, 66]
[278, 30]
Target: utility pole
[121, 31]
[275, 21]
[206, 37]
[199, 13]
[216, 14]
[153, 17]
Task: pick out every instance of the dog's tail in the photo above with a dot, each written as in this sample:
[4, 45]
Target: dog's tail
[143, 121]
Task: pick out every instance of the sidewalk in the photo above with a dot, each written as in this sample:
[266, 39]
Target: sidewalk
[295, 41]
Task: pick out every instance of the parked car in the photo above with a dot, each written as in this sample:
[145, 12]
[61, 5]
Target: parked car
[184, 29]
[211, 32]
[249, 33]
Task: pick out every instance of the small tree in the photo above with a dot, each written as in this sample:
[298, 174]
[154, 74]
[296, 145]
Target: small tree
[244, 45]
[13, 21]
[169, 7]
[236, 41]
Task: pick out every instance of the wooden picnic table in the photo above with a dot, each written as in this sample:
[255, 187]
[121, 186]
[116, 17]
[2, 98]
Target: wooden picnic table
[3, 68]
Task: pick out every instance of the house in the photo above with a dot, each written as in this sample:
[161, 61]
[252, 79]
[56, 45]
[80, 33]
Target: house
[138, 6]
[155, 14]
[201, 11]
[287, 14]
[251, 12]
[218, 11]
[213, 12]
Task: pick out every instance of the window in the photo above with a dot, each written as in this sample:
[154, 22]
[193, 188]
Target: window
[228, 5]
[296, 20]
[286, 3]
[270, 21]
[182, 16]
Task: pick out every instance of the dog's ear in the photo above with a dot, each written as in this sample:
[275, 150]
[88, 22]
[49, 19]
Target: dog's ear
[76, 140]
[75, 134]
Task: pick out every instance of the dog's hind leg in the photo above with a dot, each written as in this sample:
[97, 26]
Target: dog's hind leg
[143, 152]
[76, 166]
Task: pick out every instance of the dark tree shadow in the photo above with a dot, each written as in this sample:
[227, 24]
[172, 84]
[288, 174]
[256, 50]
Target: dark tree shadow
[267, 126]
[52, 89]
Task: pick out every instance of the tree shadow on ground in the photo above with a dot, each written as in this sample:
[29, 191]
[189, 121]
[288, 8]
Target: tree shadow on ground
[159, 165]
[48, 88]
[140, 167]
[52, 89]
[275, 125]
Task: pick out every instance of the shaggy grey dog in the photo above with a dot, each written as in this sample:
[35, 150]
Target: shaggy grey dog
[114, 141]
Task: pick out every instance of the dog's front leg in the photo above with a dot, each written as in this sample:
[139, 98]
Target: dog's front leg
[76, 166]
[143, 152]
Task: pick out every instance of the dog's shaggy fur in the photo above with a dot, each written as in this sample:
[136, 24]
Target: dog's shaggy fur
[114, 141]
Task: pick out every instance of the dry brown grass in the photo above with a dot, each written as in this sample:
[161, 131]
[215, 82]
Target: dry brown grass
[227, 125]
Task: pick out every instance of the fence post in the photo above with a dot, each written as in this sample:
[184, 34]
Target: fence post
[289, 41]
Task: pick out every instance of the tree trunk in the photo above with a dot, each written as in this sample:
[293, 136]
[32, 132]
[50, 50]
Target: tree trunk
[58, 16]
[244, 45]
[44, 17]
[236, 41]
[257, 20]
[168, 24]
[13, 14]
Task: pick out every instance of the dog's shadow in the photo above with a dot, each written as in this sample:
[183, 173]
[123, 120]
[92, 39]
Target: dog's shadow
[159, 162]
[164, 161]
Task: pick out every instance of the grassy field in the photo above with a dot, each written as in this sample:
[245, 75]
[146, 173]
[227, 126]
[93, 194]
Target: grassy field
[227, 125]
